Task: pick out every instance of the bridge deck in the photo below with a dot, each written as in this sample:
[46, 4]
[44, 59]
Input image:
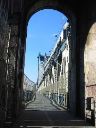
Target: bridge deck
[41, 113]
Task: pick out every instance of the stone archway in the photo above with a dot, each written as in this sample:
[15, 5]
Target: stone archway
[56, 5]
[18, 13]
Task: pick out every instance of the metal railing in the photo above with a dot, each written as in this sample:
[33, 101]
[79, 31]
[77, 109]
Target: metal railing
[58, 91]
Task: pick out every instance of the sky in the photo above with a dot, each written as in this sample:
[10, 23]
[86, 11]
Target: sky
[41, 31]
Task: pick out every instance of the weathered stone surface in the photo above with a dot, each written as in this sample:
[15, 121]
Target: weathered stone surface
[85, 28]
[90, 60]
[3, 66]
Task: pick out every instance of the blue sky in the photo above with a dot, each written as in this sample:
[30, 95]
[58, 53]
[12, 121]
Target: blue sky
[41, 31]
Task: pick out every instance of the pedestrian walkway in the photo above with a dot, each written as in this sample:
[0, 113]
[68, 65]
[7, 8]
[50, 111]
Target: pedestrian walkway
[41, 113]
[41, 103]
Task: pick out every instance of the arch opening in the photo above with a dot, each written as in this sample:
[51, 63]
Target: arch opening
[72, 53]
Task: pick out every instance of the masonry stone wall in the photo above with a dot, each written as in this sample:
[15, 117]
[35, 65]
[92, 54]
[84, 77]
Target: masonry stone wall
[85, 60]
[4, 30]
[90, 65]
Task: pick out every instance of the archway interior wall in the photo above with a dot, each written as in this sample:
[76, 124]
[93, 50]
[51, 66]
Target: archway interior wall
[90, 63]
[9, 69]
[4, 34]
[63, 9]
[90, 60]
[90, 71]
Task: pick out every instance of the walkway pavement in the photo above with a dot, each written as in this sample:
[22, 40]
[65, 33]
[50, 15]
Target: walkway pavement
[42, 114]
[41, 103]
